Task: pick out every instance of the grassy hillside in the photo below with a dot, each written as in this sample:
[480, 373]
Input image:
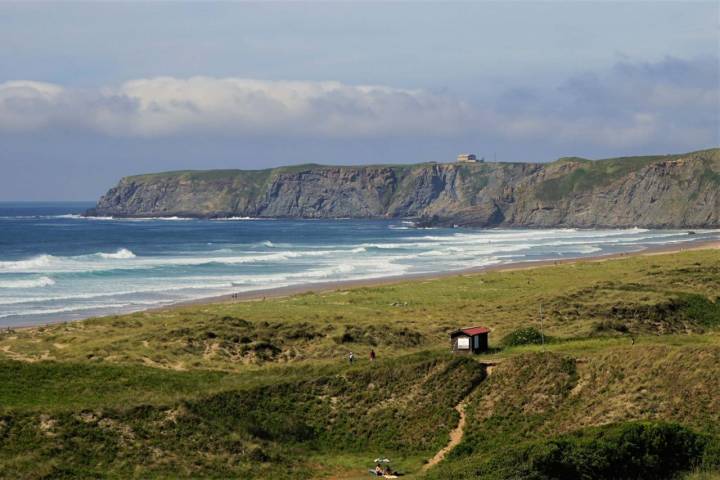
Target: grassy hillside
[630, 370]
[590, 174]
[535, 402]
[619, 298]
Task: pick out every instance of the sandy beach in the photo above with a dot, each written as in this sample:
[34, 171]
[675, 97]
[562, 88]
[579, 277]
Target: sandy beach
[262, 294]
[319, 287]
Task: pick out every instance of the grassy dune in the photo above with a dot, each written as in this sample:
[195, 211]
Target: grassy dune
[262, 389]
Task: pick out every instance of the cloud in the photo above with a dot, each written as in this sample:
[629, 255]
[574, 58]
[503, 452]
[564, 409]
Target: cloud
[26, 105]
[672, 102]
[167, 106]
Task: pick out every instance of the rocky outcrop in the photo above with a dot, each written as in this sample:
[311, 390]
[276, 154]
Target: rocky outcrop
[679, 191]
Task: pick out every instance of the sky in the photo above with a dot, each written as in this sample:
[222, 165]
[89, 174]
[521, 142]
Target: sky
[91, 92]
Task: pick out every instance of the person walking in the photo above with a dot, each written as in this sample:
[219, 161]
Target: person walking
[351, 358]
[372, 355]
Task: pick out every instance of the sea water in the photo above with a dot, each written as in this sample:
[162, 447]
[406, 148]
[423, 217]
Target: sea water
[56, 265]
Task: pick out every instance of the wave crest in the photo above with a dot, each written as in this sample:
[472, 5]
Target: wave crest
[43, 260]
[120, 254]
[32, 283]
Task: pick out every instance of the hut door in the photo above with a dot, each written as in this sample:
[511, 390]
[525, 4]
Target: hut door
[476, 342]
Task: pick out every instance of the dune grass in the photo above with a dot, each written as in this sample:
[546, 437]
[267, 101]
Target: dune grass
[635, 296]
[263, 389]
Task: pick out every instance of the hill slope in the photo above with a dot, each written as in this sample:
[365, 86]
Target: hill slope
[656, 191]
[628, 377]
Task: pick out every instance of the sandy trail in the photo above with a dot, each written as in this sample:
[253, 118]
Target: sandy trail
[456, 436]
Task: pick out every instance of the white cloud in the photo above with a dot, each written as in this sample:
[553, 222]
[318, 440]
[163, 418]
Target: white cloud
[27, 105]
[168, 106]
[673, 102]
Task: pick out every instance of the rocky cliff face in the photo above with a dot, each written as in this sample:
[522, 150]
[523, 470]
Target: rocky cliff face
[662, 191]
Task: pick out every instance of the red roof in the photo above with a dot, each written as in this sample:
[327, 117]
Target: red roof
[475, 330]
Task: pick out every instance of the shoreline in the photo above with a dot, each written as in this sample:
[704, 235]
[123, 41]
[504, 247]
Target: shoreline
[337, 285]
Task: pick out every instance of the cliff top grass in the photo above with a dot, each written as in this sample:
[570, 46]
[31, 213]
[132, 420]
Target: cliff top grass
[593, 171]
[260, 174]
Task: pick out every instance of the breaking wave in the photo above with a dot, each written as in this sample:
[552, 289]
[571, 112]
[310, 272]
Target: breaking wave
[31, 283]
[204, 260]
[34, 262]
[121, 253]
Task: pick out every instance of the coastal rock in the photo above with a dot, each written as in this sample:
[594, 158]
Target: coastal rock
[672, 191]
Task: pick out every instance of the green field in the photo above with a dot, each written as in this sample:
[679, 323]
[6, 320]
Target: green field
[628, 375]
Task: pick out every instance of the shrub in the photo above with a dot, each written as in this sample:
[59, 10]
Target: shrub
[611, 326]
[627, 450]
[523, 336]
[701, 310]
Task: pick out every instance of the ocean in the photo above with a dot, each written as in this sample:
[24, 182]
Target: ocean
[56, 265]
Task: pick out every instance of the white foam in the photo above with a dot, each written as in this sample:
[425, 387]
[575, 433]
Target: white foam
[133, 219]
[125, 259]
[257, 265]
[220, 250]
[80, 308]
[38, 261]
[32, 283]
[120, 254]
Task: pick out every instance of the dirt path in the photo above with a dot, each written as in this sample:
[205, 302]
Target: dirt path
[21, 357]
[456, 436]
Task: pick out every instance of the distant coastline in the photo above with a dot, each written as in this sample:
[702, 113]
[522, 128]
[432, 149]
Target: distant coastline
[655, 191]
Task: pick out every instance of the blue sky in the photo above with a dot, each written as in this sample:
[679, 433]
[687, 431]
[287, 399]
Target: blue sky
[91, 92]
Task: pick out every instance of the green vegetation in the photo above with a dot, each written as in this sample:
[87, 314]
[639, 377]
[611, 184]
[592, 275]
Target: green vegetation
[669, 191]
[591, 174]
[588, 174]
[264, 389]
[537, 414]
[628, 450]
[523, 336]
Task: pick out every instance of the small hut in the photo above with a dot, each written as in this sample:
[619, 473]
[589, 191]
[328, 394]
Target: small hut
[470, 340]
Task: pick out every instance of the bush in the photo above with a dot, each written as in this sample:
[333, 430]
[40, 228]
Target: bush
[701, 309]
[628, 450]
[611, 326]
[523, 336]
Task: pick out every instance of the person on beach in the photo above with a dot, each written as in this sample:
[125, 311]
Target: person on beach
[372, 355]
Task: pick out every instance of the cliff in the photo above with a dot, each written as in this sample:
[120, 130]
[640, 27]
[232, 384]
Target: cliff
[679, 191]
